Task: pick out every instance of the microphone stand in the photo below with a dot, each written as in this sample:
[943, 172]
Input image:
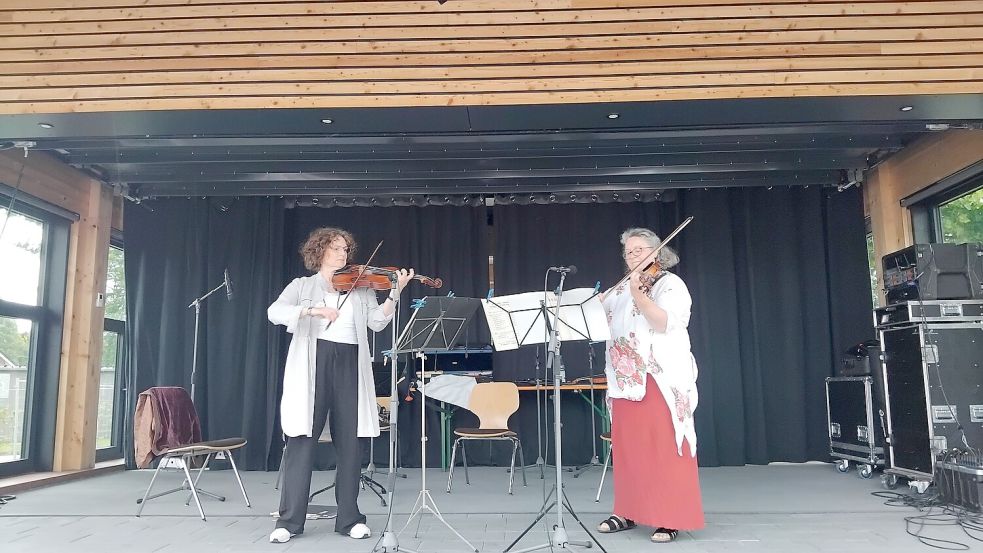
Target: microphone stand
[554, 361]
[197, 305]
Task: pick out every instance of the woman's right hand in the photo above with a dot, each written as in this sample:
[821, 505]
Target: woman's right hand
[329, 313]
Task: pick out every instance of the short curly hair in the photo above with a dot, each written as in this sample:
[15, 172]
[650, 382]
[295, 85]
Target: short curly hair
[317, 242]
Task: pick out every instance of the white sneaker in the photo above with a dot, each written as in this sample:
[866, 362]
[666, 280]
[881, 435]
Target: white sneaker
[280, 535]
[359, 531]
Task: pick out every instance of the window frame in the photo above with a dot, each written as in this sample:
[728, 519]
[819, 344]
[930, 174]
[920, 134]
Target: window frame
[44, 361]
[923, 206]
[118, 327]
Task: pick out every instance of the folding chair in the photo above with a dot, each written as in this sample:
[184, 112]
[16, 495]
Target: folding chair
[384, 426]
[184, 455]
[493, 403]
[607, 462]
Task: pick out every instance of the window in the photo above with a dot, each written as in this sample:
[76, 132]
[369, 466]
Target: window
[16, 337]
[872, 267]
[961, 219]
[109, 422]
[33, 257]
[20, 250]
[20, 279]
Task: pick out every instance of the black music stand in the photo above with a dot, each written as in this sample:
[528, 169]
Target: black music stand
[436, 325]
[571, 321]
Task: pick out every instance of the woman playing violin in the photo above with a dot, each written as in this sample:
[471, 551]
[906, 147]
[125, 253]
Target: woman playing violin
[328, 372]
[651, 377]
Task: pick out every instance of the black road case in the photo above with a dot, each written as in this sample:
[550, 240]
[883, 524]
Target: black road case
[933, 384]
[854, 424]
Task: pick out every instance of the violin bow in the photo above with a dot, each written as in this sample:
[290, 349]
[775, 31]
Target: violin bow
[355, 282]
[645, 260]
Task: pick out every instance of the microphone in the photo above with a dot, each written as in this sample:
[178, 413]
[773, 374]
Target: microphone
[228, 285]
[571, 270]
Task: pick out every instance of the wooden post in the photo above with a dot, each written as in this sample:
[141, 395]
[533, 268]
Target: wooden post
[81, 358]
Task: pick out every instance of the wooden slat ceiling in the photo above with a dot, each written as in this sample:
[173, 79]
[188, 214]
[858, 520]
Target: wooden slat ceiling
[482, 97]
[123, 55]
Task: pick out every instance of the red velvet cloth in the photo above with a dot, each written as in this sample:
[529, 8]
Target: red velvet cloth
[653, 485]
[175, 419]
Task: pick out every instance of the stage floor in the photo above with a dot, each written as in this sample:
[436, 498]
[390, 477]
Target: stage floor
[782, 508]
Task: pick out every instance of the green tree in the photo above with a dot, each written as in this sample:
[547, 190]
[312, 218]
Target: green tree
[962, 218]
[115, 286]
[13, 344]
[110, 348]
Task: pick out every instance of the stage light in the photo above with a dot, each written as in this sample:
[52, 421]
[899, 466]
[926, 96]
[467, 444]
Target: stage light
[907, 108]
[613, 116]
[46, 125]
[327, 121]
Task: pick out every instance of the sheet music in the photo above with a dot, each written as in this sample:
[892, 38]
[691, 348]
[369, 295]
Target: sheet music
[582, 316]
[517, 320]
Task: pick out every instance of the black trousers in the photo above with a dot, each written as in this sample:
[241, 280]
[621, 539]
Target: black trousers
[335, 392]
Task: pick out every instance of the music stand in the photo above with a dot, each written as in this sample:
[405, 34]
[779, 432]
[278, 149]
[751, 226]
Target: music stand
[436, 325]
[513, 322]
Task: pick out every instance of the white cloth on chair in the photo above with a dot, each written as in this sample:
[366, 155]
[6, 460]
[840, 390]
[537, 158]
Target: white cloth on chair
[451, 388]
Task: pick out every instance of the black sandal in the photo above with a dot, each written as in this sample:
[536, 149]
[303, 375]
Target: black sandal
[664, 535]
[614, 523]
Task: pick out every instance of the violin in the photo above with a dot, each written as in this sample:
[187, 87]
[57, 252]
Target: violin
[648, 275]
[375, 278]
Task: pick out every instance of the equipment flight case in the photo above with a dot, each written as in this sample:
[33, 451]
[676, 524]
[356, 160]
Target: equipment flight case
[933, 383]
[854, 424]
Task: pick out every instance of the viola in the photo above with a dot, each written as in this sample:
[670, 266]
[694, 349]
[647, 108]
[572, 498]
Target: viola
[375, 278]
[648, 275]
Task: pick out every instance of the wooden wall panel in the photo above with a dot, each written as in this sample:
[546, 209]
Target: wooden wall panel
[199, 54]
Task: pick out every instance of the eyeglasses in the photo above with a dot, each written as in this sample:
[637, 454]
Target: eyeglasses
[636, 252]
[345, 249]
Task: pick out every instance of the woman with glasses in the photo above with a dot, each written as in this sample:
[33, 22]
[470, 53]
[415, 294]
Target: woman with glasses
[651, 377]
[328, 379]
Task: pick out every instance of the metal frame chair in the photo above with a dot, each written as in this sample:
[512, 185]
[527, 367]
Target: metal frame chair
[183, 455]
[607, 462]
[384, 426]
[493, 403]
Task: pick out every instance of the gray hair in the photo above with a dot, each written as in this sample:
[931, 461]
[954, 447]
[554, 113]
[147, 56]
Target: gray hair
[666, 257]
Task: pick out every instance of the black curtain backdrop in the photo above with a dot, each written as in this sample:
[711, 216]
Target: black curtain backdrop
[176, 251]
[779, 281]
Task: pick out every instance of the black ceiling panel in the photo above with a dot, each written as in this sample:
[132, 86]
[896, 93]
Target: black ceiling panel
[491, 150]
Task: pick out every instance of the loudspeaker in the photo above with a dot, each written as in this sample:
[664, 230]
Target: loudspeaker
[934, 272]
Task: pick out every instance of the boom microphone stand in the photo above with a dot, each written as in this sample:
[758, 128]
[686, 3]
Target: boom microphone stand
[555, 362]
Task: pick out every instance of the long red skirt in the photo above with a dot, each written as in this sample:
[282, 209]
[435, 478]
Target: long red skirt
[653, 485]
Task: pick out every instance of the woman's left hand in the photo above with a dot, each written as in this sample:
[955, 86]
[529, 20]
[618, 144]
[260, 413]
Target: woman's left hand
[635, 282]
[404, 276]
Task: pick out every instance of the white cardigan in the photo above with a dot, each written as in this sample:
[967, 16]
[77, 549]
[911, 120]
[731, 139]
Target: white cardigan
[297, 403]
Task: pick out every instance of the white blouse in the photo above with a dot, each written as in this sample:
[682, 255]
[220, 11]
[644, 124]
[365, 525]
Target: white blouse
[637, 350]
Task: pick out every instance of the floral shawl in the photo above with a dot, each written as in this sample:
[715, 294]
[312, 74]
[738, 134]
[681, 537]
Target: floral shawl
[636, 350]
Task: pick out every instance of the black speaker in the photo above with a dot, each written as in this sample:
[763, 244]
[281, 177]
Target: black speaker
[934, 272]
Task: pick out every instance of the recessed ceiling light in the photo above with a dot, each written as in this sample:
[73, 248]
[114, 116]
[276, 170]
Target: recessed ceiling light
[613, 116]
[907, 108]
[327, 121]
[46, 125]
